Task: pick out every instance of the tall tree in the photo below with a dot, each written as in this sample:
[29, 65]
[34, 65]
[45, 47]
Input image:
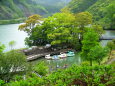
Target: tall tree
[82, 20]
[97, 53]
[90, 40]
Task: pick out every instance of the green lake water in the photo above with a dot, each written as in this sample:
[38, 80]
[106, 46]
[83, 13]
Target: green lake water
[61, 62]
[9, 33]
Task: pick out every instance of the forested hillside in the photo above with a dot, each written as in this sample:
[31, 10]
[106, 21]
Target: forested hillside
[13, 9]
[103, 11]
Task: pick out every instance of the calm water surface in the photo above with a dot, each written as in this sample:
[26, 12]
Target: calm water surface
[61, 62]
[108, 34]
[9, 33]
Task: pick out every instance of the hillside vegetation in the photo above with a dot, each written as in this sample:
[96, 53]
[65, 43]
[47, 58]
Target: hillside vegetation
[102, 10]
[14, 9]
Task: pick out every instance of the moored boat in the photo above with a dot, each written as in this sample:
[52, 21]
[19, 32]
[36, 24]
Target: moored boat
[63, 55]
[48, 56]
[70, 54]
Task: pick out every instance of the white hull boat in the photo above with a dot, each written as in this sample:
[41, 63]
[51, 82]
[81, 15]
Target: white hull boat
[48, 56]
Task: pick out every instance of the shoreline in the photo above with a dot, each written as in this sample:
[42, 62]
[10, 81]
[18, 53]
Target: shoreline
[12, 21]
[37, 53]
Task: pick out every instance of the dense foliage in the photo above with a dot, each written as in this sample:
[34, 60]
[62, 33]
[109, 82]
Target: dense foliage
[13, 9]
[75, 75]
[80, 5]
[111, 45]
[102, 10]
[65, 30]
[11, 62]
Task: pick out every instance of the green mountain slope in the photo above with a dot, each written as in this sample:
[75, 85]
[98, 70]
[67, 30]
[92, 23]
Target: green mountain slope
[13, 9]
[103, 11]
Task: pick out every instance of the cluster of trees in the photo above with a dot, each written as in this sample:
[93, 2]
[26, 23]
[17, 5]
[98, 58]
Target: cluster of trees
[103, 14]
[61, 29]
[75, 75]
[68, 30]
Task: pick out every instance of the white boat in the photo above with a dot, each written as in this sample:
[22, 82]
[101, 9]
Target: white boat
[48, 56]
[63, 55]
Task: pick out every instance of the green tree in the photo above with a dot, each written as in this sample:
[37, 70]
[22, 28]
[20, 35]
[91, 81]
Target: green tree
[97, 53]
[63, 30]
[56, 30]
[98, 29]
[82, 20]
[38, 36]
[12, 62]
[12, 44]
[90, 40]
[30, 23]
